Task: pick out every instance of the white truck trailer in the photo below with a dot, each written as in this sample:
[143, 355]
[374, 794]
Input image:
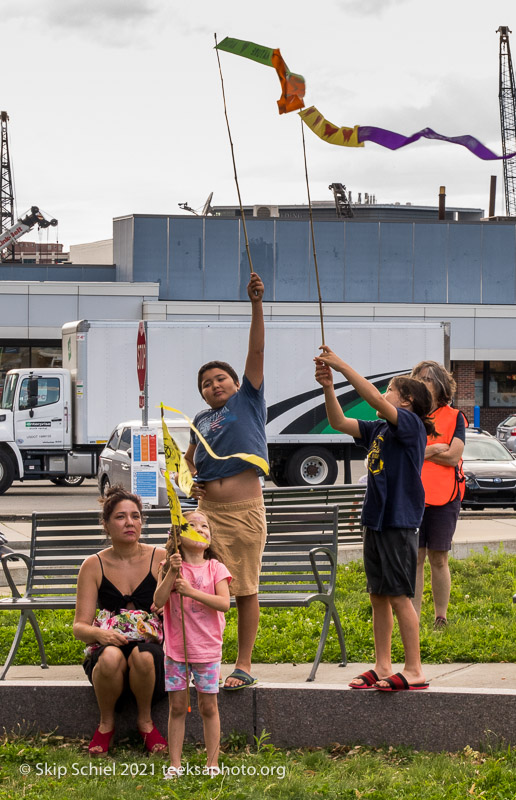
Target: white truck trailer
[54, 422]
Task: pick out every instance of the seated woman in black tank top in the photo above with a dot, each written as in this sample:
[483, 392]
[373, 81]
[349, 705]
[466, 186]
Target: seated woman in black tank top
[121, 576]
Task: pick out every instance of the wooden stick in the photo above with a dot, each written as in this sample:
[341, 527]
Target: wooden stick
[313, 235]
[176, 550]
[181, 606]
[242, 215]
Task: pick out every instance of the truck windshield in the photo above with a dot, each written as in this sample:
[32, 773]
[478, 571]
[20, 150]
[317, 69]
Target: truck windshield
[8, 393]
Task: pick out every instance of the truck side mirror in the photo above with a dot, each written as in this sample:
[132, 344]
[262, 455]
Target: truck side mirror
[32, 393]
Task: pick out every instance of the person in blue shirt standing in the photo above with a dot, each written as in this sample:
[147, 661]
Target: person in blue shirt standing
[229, 491]
[393, 509]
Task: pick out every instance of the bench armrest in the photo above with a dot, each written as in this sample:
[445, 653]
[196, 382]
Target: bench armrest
[333, 578]
[14, 557]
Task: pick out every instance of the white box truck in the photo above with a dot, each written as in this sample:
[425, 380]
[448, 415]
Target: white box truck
[54, 422]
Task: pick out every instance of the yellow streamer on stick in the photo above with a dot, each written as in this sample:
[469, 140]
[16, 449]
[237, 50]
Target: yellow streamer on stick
[175, 462]
[257, 461]
[176, 516]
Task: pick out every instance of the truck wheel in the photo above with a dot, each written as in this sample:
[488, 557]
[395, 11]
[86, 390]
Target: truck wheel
[68, 480]
[312, 466]
[6, 472]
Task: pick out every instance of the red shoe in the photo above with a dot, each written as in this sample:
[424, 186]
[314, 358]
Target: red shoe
[154, 741]
[99, 745]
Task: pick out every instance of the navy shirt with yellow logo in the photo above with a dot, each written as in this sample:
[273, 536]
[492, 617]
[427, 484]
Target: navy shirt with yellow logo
[395, 497]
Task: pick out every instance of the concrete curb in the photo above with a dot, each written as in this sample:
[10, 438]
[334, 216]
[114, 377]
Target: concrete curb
[295, 715]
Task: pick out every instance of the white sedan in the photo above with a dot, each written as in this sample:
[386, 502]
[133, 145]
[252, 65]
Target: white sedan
[115, 459]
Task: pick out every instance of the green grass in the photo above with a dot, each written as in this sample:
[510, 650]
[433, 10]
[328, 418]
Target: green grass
[482, 622]
[346, 773]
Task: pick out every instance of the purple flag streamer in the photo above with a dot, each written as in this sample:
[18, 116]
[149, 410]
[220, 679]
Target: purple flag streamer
[394, 141]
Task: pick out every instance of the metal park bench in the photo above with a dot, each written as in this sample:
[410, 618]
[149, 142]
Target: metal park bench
[59, 544]
[299, 565]
[348, 497]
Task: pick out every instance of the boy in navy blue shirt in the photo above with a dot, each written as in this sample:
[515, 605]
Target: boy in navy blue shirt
[392, 512]
[229, 491]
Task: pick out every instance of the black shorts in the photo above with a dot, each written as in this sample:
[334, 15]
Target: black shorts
[438, 526]
[158, 656]
[390, 561]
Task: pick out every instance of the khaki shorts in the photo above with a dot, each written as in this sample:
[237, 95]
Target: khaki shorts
[238, 533]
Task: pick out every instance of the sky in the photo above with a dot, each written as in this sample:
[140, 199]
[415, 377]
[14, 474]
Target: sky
[115, 106]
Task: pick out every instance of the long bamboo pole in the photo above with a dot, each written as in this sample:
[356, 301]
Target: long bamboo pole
[242, 215]
[313, 235]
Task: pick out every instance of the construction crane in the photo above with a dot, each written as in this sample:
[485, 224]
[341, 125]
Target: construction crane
[342, 203]
[24, 224]
[9, 230]
[506, 96]
[6, 179]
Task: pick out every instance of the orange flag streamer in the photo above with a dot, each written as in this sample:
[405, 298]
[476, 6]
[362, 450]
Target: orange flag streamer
[293, 86]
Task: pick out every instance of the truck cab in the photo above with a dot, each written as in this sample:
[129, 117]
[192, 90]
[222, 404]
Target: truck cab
[39, 406]
[36, 426]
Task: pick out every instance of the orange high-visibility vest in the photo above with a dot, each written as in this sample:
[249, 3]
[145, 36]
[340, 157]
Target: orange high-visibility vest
[441, 483]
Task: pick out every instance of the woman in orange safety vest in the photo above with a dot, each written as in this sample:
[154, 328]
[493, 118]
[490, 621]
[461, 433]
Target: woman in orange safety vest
[443, 482]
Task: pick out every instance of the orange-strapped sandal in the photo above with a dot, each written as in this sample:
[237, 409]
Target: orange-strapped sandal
[154, 741]
[99, 745]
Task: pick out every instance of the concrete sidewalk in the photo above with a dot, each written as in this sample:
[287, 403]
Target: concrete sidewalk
[480, 677]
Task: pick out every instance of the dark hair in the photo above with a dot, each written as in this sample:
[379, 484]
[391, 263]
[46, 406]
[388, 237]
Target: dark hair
[216, 365]
[443, 380]
[113, 496]
[414, 391]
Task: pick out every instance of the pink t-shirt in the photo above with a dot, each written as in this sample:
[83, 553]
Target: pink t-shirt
[204, 626]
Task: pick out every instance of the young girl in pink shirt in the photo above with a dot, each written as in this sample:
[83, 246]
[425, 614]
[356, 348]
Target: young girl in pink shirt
[203, 583]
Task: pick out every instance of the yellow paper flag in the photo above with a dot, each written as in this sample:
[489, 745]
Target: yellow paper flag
[176, 514]
[175, 462]
[257, 461]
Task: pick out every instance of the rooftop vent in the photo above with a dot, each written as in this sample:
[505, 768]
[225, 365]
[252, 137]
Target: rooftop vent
[265, 212]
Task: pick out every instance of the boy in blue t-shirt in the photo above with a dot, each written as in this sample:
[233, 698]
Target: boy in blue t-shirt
[229, 491]
[392, 512]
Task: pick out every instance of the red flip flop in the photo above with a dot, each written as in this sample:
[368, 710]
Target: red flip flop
[368, 679]
[399, 683]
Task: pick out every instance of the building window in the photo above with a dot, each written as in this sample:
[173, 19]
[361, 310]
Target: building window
[46, 356]
[12, 357]
[16, 356]
[502, 384]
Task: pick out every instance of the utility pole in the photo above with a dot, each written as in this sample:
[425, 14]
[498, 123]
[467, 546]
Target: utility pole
[6, 182]
[507, 120]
